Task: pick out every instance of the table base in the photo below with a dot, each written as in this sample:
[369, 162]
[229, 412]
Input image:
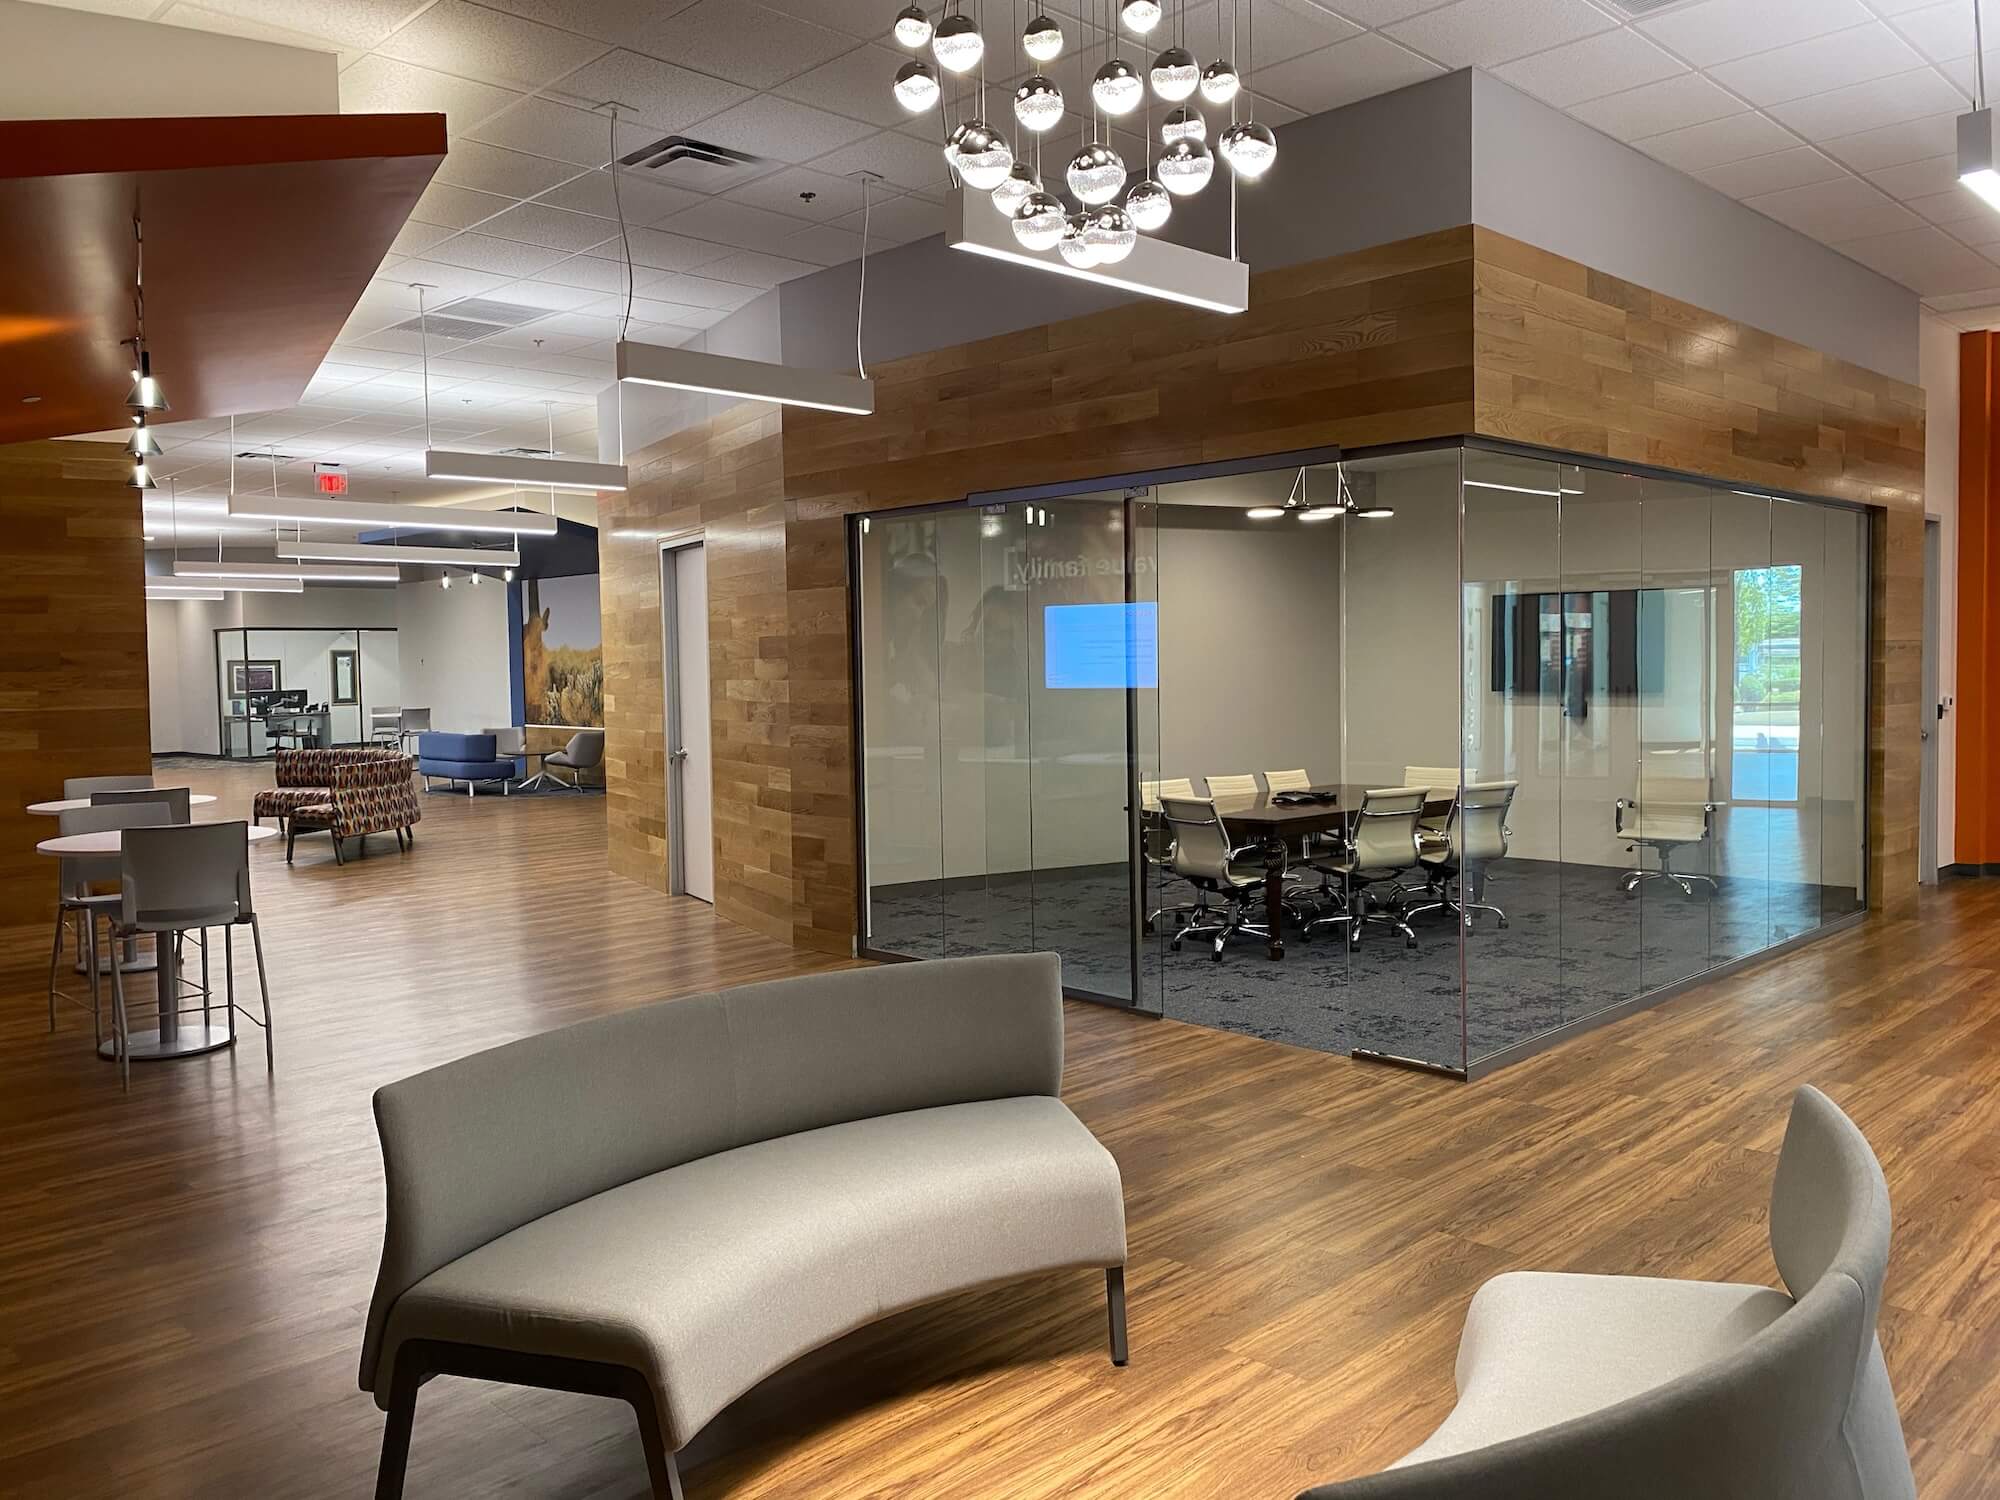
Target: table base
[191, 1041]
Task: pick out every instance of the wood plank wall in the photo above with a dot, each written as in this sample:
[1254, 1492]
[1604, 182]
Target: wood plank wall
[1568, 357]
[73, 695]
[1455, 333]
[1976, 816]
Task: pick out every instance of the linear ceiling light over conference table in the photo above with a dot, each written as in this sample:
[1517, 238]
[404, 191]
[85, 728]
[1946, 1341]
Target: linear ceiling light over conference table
[164, 588]
[510, 468]
[750, 379]
[395, 552]
[365, 513]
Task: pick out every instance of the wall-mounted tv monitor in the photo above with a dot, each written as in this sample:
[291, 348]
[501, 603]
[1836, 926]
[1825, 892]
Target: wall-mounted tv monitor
[1101, 646]
[1558, 645]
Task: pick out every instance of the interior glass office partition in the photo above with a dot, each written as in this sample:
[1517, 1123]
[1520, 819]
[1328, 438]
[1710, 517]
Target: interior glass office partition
[1621, 716]
[289, 686]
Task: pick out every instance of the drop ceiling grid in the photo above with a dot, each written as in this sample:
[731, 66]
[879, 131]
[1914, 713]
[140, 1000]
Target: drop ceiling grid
[1835, 116]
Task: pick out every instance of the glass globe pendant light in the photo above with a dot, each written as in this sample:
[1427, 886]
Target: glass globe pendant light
[951, 144]
[1040, 221]
[1117, 88]
[1185, 167]
[1249, 148]
[1110, 232]
[1096, 173]
[1014, 189]
[957, 44]
[1219, 82]
[1074, 247]
[1149, 204]
[1043, 40]
[1175, 74]
[913, 27]
[916, 86]
[1140, 16]
[981, 156]
[1038, 104]
[1183, 123]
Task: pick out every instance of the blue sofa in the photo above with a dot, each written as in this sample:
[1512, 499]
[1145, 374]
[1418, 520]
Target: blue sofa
[470, 758]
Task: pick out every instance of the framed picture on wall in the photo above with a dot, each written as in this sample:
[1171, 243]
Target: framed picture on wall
[346, 677]
[253, 677]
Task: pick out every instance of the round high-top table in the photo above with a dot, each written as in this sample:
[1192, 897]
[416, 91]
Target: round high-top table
[172, 1038]
[71, 804]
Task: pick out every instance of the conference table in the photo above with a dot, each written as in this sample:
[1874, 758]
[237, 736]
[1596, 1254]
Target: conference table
[172, 1038]
[1276, 824]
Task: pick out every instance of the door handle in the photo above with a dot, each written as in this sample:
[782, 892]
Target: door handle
[677, 754]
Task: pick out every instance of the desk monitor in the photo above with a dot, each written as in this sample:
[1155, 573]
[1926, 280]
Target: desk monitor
[1101, 646]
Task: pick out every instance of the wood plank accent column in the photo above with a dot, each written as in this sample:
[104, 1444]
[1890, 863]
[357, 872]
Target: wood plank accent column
[73, 692]
[1977, 820]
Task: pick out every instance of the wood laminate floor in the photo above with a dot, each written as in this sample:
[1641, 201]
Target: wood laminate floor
[183, 1271]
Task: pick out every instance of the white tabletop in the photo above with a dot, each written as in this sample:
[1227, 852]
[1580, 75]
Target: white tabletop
[71, 804]
[111, 840]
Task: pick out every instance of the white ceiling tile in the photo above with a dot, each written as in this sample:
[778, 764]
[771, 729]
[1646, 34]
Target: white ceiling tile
[353, 24]
[757, 268]
[537, 224]
[1891, 145]
[1718, 30]
[415, 237]
[490, 169]
[902, 159]
[656, 92]
[1926, 260]
[729, 223]
[616, 21]
[1813, 67]
[858, 83]
[451, 282]
[1485, 33]
[457, 207]
[1866, 106]
[1961, 72]
[826, 245]
[1716, 142]
[1924, 178]
[593, 273]
[779, 130]
[544, 127]
[867, 19]
[899, 220]
[743, 42]
[703, 291]
[662, 250]
[1597, 65]
[1383, 12]
[473, 41]
[1358, 68]
[1285, 29]
[379, 85]
[1942, 31]
[1795, 167]
[549, 295]
[1957, 205]
[644, 201]
[482, 252]
[1841, 209]
[781, 191]
[1655, 108]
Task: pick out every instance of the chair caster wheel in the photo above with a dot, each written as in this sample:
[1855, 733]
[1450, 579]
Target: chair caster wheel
[1217, 954]
[1147, 928]
[1174, 946]
[1409, 942]
[1502, 924]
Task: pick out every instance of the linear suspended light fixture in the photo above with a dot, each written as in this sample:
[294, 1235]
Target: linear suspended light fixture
[311, 511]
[303, 572]
[471, 557]
[507, 468]
[154, 591]
[232, 585]
[748, 379]
[1155, 267]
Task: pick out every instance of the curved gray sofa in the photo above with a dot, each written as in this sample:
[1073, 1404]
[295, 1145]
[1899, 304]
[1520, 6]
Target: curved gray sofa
[1593, 1387]
[669, 1204]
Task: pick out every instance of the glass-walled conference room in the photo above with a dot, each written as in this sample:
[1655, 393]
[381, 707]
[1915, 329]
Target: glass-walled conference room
[1427, 756]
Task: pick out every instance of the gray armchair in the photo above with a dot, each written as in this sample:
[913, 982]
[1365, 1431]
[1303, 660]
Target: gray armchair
[584, 752]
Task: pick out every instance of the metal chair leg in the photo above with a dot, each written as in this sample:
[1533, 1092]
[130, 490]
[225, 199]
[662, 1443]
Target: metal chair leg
[1114, 1301]
[121, 1032]
[207, 1001]
[263, 985]
[96, 980]
[229, 976]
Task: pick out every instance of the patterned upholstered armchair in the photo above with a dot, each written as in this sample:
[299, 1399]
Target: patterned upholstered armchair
[371, 793]
[305, 778]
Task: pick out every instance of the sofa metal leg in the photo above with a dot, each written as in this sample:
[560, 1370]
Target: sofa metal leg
[660, 1466]
[1114, 1301]
[396, 1434]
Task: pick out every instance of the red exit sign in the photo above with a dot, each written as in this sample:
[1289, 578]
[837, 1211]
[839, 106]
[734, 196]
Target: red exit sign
[331, 481]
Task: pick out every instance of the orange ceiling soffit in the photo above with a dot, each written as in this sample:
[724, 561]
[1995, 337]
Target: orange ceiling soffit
[262, 232]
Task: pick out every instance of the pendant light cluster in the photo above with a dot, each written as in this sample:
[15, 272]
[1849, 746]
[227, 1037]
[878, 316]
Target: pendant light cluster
[1299, 506]
[1102, 224]
[144, 398]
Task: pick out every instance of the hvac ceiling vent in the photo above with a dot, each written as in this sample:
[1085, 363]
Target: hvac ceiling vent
[472, 318]
[701, 165]
[1637, 8]
[525, 453]
[265, 456]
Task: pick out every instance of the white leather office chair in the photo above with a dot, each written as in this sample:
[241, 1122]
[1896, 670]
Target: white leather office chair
[1439, 779]
[1156, 839]
[1207, 858]
[1380, 849]
[1670, 811]
[1150, 792]
[1475, 834]
[1232, 786]
[1287, 781]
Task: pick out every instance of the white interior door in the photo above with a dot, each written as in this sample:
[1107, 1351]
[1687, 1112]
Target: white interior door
[687, 728]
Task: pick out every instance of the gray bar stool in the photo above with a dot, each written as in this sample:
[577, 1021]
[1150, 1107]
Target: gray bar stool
[83, 786]
[187, 879]
[75, 875]
[175, 799]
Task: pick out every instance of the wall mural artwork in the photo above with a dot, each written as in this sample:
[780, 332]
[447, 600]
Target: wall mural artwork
[562, 652]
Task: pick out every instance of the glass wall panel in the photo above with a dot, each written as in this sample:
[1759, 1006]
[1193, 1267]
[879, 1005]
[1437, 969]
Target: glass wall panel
[1403, 648]
[1790, 726]
[1605, 845]
[904, 595]
[1743, 583]
[1843, 635]
[1512, 693]
[1673, 672]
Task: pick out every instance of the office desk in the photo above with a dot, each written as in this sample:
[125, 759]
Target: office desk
[1276, 824]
